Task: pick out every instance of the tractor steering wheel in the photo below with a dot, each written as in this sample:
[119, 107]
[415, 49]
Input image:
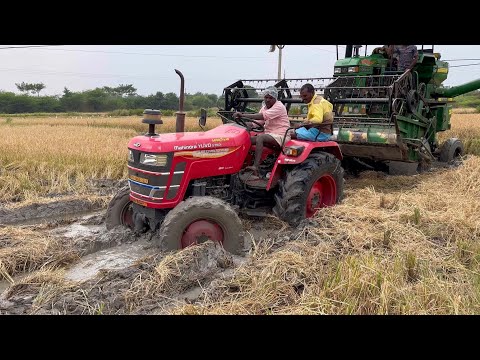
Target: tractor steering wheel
[260, 127]
[241, 121]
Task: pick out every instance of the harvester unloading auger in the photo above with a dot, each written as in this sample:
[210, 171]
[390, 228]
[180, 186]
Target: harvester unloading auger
[383, 119]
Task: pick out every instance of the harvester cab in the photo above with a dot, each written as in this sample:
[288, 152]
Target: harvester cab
[388, 120]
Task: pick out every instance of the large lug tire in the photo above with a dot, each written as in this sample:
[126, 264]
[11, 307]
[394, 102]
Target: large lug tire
[451, 149]
[315, 183]
[119, 211]
[199, 219]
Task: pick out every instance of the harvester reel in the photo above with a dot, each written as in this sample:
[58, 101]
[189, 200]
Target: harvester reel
[236, 104]
[422, 89]
[412, 101]
[284, 93]
[397, 105]
[404, 86]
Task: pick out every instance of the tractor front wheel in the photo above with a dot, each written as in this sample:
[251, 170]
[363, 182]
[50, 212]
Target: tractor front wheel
[313, 184]
[119, 211]
[202, 218]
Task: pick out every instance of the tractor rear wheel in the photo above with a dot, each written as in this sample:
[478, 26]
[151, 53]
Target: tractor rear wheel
[202, 218]
[313, 184]
[451, 150]
[120, 211]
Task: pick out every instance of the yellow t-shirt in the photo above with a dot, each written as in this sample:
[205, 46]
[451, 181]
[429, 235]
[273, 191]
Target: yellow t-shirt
[319, 109]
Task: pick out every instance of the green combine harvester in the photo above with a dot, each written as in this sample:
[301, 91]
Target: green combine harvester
[383, 119]
[389, 118]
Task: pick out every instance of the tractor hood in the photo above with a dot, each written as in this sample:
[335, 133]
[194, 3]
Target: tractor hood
[227, 135]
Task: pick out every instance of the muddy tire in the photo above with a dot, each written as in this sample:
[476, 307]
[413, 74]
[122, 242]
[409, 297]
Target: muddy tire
[451, 150]
[317, 182]
[119, 211]
[198, 219]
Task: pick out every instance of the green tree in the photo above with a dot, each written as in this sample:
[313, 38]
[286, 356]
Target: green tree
[34, 88]
[170, 102]
[126, 90]
[121, 90]
[23, 87]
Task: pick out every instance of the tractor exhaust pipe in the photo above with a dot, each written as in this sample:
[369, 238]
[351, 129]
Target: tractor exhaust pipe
[180, 124]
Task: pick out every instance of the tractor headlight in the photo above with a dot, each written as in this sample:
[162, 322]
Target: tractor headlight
[353, 69]
[294, 150]
[153, 159]
[130, 156]
[337, 70]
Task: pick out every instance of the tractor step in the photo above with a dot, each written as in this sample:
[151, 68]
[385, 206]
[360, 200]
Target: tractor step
[249, 179]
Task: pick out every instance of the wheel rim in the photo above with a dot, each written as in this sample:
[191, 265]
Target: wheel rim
[323, 193]
[457, 153]
[126, 216]
[200, 231]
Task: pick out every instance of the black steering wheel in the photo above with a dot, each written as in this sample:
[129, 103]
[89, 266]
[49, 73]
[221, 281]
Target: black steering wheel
[240, 121]
[260, 127]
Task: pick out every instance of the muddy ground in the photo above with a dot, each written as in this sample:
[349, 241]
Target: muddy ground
[117, 271]
[85, 269]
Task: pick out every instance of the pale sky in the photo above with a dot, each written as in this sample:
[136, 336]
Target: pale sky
[207, 68]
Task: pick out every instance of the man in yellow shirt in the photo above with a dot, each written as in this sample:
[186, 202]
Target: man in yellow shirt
[319, 123]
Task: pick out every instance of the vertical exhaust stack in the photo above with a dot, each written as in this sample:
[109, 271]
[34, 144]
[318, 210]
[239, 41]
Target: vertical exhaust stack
[180, 124]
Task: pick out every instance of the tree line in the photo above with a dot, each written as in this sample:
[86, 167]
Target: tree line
[102, 99]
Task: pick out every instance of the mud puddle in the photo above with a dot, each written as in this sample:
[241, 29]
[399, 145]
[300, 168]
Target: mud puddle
[90, 224]
[57, 210]
[113, 258]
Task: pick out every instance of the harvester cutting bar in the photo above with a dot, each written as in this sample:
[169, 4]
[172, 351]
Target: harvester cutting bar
[291, 85]
[355, 121]
[244, 95]
[361, 100]
[259, 100]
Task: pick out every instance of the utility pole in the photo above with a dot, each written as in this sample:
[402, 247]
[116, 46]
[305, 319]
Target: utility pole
[272, 49]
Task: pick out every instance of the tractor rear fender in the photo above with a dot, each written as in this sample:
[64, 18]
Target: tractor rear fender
[309, 147]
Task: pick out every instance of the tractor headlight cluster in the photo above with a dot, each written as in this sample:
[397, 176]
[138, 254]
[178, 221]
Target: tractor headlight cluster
[294, 150]
[153, 159]
[337, 70]
[353, 69]
[130, 156]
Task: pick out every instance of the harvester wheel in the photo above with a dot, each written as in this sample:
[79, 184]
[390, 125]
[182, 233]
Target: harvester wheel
[451, 150]
[313, 184]
[119, 211]
[198, 219]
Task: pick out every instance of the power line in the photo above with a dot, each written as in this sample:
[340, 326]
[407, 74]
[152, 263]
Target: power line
[158, 54]
[318, 49]
[462, 60]
[154, 77]
[25, 47]
[465, 65]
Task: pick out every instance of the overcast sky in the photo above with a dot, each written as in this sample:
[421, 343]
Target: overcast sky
[207, 68]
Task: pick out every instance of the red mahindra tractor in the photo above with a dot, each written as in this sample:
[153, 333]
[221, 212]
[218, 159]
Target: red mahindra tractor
[189, 186]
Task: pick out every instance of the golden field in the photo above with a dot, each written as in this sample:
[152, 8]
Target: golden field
[41, 156]
[395, 245]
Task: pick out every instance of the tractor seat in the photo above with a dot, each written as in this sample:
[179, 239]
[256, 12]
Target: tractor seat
[316, 126]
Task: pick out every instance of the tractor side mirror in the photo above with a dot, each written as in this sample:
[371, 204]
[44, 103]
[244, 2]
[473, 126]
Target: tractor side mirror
[203, 117]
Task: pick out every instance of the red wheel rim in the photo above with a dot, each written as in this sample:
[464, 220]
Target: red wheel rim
[200, 231]
[323, 193]
[127, 216]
